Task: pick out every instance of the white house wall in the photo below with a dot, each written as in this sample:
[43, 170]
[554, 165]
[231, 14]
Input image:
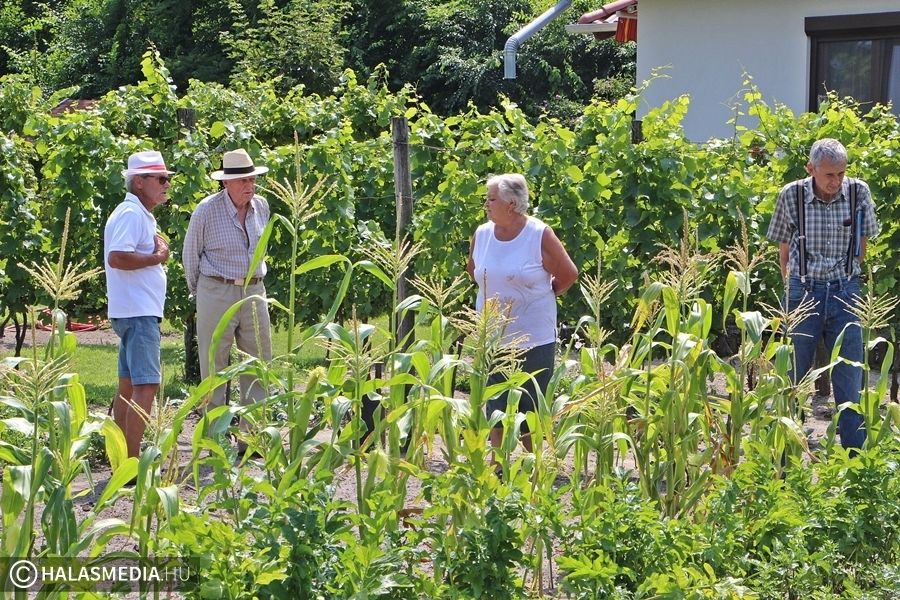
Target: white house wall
[707, 45]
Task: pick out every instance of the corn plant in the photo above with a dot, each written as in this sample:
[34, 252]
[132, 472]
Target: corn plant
[556, 431]
[55, 428]
[350, 374]
[782, 398]
[438, 303]
[671, 398]
[301, 202]
[599, 404]
[404, 369]
[743, 263]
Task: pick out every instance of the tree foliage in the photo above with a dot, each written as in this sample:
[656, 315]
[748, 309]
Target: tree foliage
[296, 43]
[451, 52]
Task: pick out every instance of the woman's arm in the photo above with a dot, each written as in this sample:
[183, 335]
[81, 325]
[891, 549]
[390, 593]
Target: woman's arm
[470, 267]
[563, 271]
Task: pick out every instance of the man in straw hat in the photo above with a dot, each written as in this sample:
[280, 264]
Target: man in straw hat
[218, 248]
[134, 254]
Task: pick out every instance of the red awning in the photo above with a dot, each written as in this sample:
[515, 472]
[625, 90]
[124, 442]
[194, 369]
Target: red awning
[622, 12]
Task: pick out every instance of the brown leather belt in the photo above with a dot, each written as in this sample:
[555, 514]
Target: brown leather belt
[241, 281]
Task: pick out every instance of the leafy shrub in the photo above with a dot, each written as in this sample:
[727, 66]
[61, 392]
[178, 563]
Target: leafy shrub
[618, 542]
[287, 546]
[829, 531]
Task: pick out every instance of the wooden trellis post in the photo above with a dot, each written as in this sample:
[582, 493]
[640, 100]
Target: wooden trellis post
[404, 202]
[187, 118]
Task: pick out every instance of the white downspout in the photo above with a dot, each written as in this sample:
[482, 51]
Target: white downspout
[518, 38]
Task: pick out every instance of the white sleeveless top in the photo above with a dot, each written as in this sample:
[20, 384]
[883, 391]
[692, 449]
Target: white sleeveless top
[514, 272]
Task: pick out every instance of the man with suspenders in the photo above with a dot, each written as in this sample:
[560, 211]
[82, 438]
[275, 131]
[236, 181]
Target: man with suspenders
[822, 223]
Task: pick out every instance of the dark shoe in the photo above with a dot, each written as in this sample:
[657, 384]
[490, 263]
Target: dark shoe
[242, 450]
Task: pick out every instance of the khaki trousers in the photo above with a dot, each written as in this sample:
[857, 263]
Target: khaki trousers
[213, 299]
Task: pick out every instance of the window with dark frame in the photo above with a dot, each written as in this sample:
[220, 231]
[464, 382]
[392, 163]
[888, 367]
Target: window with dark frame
[856, 56]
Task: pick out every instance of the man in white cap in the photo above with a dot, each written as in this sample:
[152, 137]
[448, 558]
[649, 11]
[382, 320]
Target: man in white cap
[218, 249]
[134, 254]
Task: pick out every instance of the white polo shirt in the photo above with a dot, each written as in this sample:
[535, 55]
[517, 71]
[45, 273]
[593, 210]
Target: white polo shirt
[137, 292]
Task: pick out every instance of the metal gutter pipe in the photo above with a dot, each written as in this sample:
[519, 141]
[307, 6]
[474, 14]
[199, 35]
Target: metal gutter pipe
[519, 37]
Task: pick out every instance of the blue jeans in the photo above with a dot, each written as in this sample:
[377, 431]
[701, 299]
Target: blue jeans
[830, 318]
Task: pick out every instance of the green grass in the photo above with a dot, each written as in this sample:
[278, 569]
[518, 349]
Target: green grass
[97, 364]
[97, 368]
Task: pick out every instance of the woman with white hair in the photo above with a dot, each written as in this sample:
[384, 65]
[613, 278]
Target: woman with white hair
[518, 260]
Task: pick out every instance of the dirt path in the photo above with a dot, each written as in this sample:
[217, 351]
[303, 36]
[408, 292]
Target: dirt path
[104, 335]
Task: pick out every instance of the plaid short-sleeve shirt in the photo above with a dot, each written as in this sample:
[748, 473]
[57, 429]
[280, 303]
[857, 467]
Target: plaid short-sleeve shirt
[828, 228]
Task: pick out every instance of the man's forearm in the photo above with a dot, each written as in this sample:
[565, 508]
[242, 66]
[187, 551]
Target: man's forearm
[131, 261]
[784, 253]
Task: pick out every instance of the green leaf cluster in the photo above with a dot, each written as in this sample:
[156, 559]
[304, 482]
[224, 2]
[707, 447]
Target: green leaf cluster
[827, 530]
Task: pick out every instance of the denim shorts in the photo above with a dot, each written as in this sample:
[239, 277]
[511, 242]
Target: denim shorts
[139, 339]
[539, 358]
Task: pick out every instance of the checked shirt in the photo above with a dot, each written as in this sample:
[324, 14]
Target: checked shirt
[216, 245]
[827, 228]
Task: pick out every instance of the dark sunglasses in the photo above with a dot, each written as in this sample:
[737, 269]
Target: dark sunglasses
[163, 179]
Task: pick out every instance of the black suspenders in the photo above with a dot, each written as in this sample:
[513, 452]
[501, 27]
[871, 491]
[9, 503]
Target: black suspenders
[855, 225]
[853, 248]
[801, 228]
